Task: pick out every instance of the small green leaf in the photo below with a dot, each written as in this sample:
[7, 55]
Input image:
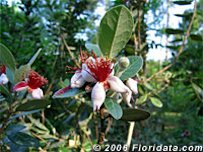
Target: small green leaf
[10, 75]
[142, 99]
[32, 60]
[70, 93]
[115, 30]
[136, 63]
[156, 102]
[33, 105]
[93, 47]
[113, 108]
[7, 58]
[130, 114]
[21, 73]
[173, 31]
[196, 37]
[198, 90]
[183, 2]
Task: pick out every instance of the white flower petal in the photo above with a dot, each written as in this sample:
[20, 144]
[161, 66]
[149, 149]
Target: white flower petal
[86, 74]
[98, 96]
[37, 93]
[132, 84]
[116, 84]
[77, 80]
[127, 96]
[3, 79]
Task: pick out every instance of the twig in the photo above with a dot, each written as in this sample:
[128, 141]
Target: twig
[181, 48]
[69, 51]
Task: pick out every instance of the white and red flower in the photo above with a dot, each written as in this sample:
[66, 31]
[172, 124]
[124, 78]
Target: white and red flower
[32, 84]
[3, 77]
[98, 70]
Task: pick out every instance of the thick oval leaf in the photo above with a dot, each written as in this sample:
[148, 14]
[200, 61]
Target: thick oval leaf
[142, 99]
[113, 108]
[115, 30]
[136, 63]
[7, 58]
[174, 31]
[183, 2]
[23, 139]
[21, 73]
[71, 92]
[33, 105]
[196, 37]
[156, 102]
[93, 47]
[134, 114]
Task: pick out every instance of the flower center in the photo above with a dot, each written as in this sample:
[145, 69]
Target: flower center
[35, 80]
[100, 67]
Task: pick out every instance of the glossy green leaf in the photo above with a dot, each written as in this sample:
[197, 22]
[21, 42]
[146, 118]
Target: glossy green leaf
[4, 90]
[93, 47]
[10, 75]
[23, 139]
[136, 63]
[7, 58]
[32, 60]
[142, 99]
[198, 90]
[130, 114]
[156, 102]
[174, 31]
[21, 73]
[196, 37]
[33, 105]
[113, 108]
[115, 30]
[183, 2]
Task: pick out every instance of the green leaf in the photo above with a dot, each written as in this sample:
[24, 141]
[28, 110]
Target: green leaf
[173, 31]
[10, 75]
[183, 2]
[142, 99]
[130, 114]
[70, 93]
[156, 102]
[23, 139]
[21, 73]
[93, 47]
[136, 63]
[113, 108]
[32, 60]
[196, 37]
[115, 30]
[33, 105]
[4, 90]
[7, 58]
[198, 90]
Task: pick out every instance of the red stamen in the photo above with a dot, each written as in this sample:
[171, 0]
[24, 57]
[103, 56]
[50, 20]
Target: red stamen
[101, 68]
[3, 69]
[35, 80]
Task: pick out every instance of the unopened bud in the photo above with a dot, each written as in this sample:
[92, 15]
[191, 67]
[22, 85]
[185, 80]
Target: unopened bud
[124, 62]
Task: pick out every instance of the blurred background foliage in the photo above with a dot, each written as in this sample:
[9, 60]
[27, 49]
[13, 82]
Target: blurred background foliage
[174, 97]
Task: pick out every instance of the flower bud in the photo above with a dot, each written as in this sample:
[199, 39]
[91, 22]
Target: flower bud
[3, 79]
[98, 96]
[132, 84]
[37, 93]
[124, 62]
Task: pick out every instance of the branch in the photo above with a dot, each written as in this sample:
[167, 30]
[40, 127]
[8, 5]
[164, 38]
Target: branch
[69, 51]
[182, 46]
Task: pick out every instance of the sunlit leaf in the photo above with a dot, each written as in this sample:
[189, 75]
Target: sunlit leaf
[142, 99]
[93, 47]
[21, 73]
[156, 102]
[32, 60]
[115, 30]
[6, 57]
